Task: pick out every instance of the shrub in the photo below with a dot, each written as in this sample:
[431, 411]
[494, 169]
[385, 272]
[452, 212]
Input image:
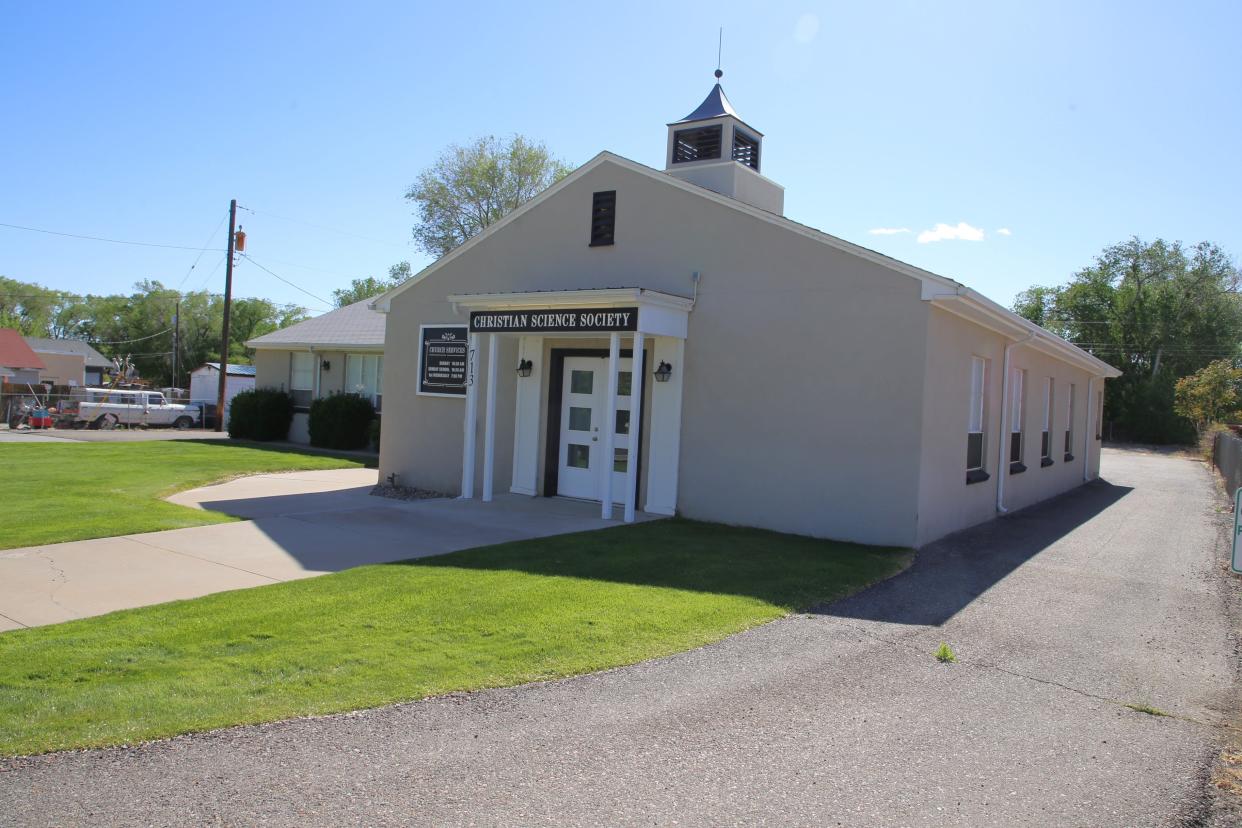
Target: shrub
[261, 414]
[341, 421]
[375, 433]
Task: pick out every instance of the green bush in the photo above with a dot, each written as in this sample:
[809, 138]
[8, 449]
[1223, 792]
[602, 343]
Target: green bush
[261, 414]
[375, 433]
[341, 421]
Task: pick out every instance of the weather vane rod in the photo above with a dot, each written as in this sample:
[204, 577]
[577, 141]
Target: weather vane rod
[719, 49]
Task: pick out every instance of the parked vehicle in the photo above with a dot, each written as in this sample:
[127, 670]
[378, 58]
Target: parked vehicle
[107, 408]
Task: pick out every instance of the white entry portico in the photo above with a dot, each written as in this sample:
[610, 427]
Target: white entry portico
[598, 422]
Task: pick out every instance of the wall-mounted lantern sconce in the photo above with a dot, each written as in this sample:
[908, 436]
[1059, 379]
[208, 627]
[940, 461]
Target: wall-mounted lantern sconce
[524, 368]
[663, 372]
[327, 366]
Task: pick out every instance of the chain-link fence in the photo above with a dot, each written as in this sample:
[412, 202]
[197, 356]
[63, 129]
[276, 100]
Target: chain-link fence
[1227, 456]
[38, 406]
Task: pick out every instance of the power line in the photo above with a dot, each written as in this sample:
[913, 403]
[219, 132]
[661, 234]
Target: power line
[203, 284]
[101, 239]
[139, 339]
[286, 281]
[201, 252]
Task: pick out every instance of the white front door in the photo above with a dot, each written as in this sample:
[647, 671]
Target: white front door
[584, 411]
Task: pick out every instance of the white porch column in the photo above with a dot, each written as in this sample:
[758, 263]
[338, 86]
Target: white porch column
[489, 424]
[472, 405]
[636, 421]
[610, 424]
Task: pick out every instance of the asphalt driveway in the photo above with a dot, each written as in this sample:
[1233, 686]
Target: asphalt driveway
[1060, 615]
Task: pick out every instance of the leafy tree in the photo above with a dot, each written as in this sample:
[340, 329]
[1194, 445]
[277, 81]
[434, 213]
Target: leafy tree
[1158, 311]
[1210, 395]
[471, 187]
[28, 307]
[369, 286]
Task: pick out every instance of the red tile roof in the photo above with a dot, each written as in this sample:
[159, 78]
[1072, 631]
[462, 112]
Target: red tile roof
[15, 353]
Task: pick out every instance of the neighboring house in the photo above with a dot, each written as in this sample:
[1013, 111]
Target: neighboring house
[69, 361]
[340, 351]
[205, 384]
[19, 364]
[669, 341]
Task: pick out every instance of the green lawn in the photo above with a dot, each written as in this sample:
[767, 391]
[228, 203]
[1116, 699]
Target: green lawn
[487, 617]
[72, 491]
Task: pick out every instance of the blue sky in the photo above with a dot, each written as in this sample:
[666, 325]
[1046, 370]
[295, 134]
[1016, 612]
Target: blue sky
[1071, 125]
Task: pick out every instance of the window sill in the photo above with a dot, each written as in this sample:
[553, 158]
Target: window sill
[976, 476]
[602, 244]
[1017, 468]
[1045, 462]
[1069, 458]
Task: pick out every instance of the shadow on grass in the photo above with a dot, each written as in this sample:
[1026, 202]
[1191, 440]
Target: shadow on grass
[367, 459]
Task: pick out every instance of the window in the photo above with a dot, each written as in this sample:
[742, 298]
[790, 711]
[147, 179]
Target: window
[698, 144]
[745, 149]
[364, 374]
[603, 218]
[1045, 440]
[1069, 422]
[974, 426]
[1017, 402]
[301, 379]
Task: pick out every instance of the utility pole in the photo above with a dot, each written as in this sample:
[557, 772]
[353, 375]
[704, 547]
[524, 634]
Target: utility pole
[224, 334]
[176, 340]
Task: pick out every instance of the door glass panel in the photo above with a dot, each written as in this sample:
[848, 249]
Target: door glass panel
[623, 421]
[623, 383]
[579, 457]
[619, 458]
[581, 382]
[579, 418]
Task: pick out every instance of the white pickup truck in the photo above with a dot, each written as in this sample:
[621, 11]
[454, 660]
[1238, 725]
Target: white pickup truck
[106, 408]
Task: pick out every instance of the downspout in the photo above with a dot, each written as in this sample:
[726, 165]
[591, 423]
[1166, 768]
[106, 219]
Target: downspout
[1089, 437]
[1002, 464]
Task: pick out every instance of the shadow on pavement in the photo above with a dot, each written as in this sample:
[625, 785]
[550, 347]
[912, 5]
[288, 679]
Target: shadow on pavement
[952, 572]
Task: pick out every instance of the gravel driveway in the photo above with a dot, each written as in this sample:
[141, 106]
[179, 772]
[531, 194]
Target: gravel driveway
[1060, 616]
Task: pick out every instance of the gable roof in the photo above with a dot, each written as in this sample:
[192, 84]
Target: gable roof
[44, 345]
[234, 370]
[15, 353]
[353, 326]
[945, 292]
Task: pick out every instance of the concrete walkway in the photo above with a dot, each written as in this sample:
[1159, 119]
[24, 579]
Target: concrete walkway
[1060, 615]
[300, 524]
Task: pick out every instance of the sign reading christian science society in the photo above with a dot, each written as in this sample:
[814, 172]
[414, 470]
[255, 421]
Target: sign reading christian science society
[444, 354]
[554, 320]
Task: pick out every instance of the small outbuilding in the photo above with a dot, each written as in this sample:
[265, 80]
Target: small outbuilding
[668, 341]
[205, 384]
[341, 351]
[18, 362]
[70, 362]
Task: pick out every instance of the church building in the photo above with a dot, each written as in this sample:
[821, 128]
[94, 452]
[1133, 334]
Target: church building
[667, 341]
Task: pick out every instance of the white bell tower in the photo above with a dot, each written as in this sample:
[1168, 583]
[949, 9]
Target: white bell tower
[714, 148]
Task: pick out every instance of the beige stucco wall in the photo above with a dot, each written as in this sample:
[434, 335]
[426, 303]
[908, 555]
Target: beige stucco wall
[803, 366]
[946, 503]
[59, 369]
[272, 371]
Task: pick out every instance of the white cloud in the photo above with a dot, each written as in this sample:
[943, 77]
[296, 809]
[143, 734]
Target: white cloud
[943, 232]
[1004, 231]
[806, 28]
[888, 231]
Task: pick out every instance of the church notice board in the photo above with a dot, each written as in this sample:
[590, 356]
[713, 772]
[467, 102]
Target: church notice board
[443, 360]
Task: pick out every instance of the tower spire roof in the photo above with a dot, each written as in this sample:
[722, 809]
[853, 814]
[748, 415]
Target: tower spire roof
[715, 105]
